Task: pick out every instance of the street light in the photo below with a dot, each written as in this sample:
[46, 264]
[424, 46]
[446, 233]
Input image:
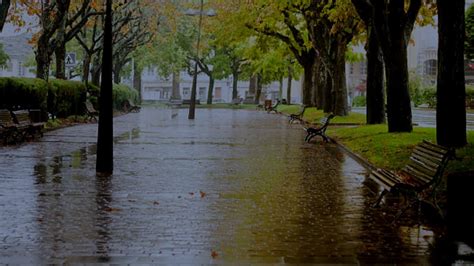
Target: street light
[192, 105]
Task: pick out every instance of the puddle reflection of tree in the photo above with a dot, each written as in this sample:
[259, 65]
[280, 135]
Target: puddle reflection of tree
[103, 220]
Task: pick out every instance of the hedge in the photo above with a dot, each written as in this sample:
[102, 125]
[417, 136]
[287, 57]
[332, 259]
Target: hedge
[121, 93]
[61, 98]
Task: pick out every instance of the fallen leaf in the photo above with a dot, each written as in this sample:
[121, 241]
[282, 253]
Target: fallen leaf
[156, 203]
[203, 194]
[191, 193]
[108, 209]
[214, 254]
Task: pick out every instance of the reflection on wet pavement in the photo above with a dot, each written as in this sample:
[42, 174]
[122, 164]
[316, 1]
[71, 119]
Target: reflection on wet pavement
[232, 186]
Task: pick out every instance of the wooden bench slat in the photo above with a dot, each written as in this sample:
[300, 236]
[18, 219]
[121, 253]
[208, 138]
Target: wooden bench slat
[424, 170]
[429, 151]
[435, 157]
[415, 173]
[434, 147]
[427, 161]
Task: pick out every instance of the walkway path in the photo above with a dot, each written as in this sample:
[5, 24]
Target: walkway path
[232, 186]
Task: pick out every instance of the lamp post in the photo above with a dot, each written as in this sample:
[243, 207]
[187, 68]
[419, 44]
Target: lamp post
[209, 13]
[192, 105]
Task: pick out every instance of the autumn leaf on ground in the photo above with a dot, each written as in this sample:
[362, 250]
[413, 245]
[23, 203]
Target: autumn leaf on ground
[109, 209]
[203, 194]
[214, 254]
[156, 202]
[191, 193]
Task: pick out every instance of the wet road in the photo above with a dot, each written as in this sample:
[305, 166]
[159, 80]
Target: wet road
[232, 186]
[425, 117]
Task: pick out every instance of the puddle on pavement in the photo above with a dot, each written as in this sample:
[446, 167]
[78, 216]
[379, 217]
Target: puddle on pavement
[231, 186]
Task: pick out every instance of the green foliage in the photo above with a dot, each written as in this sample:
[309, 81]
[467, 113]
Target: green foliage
[359, 101]
[415, 87]
[469, 41]
[3, 56]
[23, 93]
[429, 96]
[121, 93]
[66, 97]
[392, 150]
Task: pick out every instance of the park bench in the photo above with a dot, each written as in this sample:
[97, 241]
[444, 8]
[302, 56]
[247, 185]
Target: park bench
[312, 132]
[91, 112]
[188, 101]
[175, 103]
[298, 116]
[23, 121]
[273, 108]
[236, 102]
[9, 130]
[129, 106]
[419, 178]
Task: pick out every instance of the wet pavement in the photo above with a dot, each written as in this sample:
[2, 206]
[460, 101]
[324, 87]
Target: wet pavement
[233, 186]
[426, 117]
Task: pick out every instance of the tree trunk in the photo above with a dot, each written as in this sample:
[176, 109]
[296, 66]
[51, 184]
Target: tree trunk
[137, 80]
[235, 92]
[96, 68]
[116, 73]
[280, 88]
[307, 83]
[288, 88]
[258, 94]
[327, 93]
[320, 84]
[86, 67]
[210, 90]
[60, 51]
[175, 90]
[451, 93]
[253, 86]
[4, 6]
[398, 98]
[42, 59]
[339, 88]
[375, 86]
[105, 164]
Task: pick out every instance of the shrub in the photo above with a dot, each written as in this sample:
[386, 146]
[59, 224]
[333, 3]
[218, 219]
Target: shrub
[23, 93]
[66, 97]
[359, 101]
[429, 96]
[121, 93]
[415, 87]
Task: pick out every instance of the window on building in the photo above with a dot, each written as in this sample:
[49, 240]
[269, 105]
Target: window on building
[430, 67]
[351, 69]
[186, 93]
[218, 92]
[202, 92]
[363, 68]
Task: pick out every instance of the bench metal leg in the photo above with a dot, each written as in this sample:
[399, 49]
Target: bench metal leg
[379, 199]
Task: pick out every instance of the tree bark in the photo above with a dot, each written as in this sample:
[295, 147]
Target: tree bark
[451, 92]
[86, 67]
[210, 90]
[104, 163]
[42, 59]
[4, 6]
[320, 83]
[308, 82]
[175, 90]
[258, 83]
[253, 86]
[288, 88]
[116, 73]
[375, 78]
[60, 51]
[339, 87]
[235, 92]
[398, 97]
[137, 80]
